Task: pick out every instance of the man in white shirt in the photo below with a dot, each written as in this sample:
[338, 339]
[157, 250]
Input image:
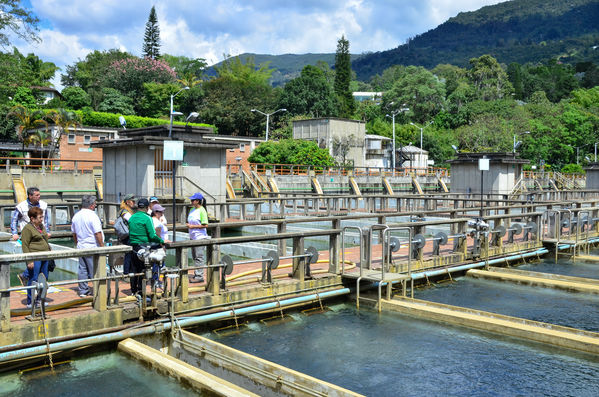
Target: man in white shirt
[87, 233]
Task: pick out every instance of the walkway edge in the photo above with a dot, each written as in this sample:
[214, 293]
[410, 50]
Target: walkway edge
[556, 335]
[195, 377]
[535, 280]
[253, 367]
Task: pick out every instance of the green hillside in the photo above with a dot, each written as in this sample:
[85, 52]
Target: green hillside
[515, 31]
[288, 66]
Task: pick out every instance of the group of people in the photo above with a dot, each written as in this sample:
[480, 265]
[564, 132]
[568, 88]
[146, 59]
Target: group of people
[146, 224]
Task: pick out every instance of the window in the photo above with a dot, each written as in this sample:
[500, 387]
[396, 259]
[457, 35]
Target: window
[242, 147]
[374, 145]
[111, 135]
[71, 138]
[102, 138]
[87, 139]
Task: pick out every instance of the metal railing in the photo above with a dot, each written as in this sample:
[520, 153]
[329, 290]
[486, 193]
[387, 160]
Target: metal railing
[302, 169]
[50, 165]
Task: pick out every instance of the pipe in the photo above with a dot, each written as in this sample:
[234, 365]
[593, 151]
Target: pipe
[187, 322]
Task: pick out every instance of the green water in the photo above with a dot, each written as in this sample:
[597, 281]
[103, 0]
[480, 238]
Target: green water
[99, 375]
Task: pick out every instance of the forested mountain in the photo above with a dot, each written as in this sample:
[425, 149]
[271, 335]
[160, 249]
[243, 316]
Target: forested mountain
[514, 31]
[286, 66]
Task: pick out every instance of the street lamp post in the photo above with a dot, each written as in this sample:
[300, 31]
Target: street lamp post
[268, 117]
[170, 129]
[517, 144]
[393, 114]
[170, 134]
[421, 129]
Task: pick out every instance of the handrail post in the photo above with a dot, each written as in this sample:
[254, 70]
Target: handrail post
[4, 297]
[282, 228]
[182, 257]
[212, 271]
[299, 268]
[100, 287]
[334, 248]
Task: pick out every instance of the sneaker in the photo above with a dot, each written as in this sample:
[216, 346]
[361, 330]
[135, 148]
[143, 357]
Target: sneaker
[84, 295]
[198, 279]
[22, 279]
[29, 306]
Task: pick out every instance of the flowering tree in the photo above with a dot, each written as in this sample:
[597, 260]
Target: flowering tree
[129, 75]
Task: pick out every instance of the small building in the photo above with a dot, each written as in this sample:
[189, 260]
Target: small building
[504, 171]
[411, 157]
[48, 93]
[134, 163]
[76, 150]
[378, 151]
[237, 158]
[362, 96]
[344, 138]
[592, 176]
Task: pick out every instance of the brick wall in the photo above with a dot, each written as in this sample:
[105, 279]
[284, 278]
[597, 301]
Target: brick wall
[79, 151]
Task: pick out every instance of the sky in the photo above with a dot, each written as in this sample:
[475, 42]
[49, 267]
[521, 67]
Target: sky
[210, 29]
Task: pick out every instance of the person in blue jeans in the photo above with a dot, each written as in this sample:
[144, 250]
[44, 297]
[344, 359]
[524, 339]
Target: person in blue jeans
[34, 238]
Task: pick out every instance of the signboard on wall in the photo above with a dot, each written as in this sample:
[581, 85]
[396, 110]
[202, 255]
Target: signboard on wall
[173, 150]
[483, 164]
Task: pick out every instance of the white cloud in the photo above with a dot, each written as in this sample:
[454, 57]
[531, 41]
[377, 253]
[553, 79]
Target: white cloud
[211, 28]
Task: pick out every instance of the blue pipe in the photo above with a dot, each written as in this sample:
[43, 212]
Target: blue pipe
[166, 325]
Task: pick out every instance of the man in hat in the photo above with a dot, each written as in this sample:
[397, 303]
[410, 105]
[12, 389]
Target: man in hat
[141, 232]
[196, 223]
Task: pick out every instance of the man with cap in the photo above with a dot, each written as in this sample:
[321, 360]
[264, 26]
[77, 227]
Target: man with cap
[153, 201]
[141, 232]
[196, 223]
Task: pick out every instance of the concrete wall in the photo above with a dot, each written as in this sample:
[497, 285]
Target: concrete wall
[500, 179]
[323, 131]
[128, 170]
[592, 178]
[207, 169]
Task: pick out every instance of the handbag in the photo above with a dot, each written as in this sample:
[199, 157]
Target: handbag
[51, 265]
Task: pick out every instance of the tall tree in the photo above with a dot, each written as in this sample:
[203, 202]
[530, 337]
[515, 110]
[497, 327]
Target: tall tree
[151, 47]
[347, 105]
[490, 81]
[308, 94]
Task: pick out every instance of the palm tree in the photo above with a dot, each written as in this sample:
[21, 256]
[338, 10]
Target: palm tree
[63, 120]
[189, 79]
[29, 122]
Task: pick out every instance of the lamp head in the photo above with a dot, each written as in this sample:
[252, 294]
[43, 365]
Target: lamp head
[192, 116]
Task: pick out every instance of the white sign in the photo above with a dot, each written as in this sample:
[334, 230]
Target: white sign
[173, 150]
[483, 164]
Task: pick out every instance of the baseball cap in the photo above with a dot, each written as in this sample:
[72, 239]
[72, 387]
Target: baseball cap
[158, 207]
[129, 196]
[142, 203]
[197, 196]
[153, 198]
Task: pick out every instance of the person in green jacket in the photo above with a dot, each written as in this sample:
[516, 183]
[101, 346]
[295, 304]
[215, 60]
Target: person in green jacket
[141, 233]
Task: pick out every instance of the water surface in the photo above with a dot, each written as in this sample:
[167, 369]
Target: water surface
[393, 355]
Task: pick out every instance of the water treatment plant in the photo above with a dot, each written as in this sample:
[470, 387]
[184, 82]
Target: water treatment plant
[319, 282]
